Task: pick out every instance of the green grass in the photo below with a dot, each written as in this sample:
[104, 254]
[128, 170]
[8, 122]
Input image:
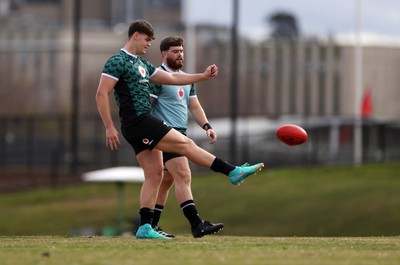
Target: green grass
[326, 215]
[232, 250]
[302, 202]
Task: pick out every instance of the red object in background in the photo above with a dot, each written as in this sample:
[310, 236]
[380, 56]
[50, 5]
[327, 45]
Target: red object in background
[366, 105]
[291, 134]
[345, 133]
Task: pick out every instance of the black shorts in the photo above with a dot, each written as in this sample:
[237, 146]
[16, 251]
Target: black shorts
[145, 132]
[167, 156]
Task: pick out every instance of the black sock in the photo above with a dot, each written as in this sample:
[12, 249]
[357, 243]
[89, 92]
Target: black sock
[157, 214]
[146, 215]
[189, 210]
[221, 166]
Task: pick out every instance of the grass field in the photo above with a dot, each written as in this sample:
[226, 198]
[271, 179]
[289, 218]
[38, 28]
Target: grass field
[232, 250]
[326, 215]
[303, 202]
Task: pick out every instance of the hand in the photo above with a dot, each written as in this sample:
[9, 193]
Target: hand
[211, 71]
[112, 139]
[211, 133]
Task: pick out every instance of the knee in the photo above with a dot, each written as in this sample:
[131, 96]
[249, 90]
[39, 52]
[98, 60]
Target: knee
[154, 175]
[183, 177]
[187, 144]
[167, 179]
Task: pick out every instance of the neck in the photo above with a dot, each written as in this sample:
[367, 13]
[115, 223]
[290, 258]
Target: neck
[130, 48]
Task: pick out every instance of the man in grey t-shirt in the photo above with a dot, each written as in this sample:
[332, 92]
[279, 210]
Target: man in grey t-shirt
[171, 104]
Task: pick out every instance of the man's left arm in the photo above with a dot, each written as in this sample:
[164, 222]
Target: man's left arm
[155, 90]
[200, 117]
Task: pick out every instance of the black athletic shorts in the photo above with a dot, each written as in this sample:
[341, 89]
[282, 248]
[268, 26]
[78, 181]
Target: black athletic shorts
[167, 156]
[145, 132]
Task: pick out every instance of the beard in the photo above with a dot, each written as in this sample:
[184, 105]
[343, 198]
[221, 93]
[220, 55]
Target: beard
[175, 64]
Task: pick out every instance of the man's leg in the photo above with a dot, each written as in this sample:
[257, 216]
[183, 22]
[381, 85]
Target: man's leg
[151, 163]
[175, 142]
[181, 171]
[162, 197]
[179, 168]
[163, 191]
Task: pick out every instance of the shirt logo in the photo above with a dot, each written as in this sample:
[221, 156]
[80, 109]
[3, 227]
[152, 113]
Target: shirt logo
[142, 71]
[181, 92]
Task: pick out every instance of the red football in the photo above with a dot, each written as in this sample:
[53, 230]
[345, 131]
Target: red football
[291, 134]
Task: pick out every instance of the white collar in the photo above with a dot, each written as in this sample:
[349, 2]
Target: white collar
[133, 55]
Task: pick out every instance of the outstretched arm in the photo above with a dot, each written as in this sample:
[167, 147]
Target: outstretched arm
[106, 85]
[163, 77]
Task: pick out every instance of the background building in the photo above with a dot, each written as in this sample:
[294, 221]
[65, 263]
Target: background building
[308, 81]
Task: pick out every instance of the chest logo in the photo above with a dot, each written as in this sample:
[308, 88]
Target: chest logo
[142, 71]
[181, 92]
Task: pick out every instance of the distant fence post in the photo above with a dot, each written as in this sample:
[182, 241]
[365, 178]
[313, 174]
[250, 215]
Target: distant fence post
[3, 152]
[30, 135]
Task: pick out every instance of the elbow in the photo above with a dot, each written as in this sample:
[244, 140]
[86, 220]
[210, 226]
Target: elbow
[98, 96]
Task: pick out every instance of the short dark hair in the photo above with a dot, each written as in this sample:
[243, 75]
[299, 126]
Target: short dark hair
[141, 26]
[170, 41]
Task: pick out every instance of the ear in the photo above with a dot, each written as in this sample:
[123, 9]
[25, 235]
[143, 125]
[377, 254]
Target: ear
[164, 54]
[135, 35]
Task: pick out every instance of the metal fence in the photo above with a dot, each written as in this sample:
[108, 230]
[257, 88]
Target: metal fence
[41, 145]
[306, 79]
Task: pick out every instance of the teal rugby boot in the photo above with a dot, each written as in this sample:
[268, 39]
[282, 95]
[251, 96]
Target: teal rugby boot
[147, 232]
[240, 173]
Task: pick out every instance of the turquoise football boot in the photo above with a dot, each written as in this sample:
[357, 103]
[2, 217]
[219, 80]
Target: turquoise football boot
[240, 173]
[147, 232]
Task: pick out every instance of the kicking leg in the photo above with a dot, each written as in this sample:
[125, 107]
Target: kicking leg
[175, 142]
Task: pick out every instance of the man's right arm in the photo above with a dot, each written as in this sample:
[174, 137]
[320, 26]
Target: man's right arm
[106, 85]
[166, 78]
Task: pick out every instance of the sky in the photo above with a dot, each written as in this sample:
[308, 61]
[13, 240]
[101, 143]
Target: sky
[379, 19]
